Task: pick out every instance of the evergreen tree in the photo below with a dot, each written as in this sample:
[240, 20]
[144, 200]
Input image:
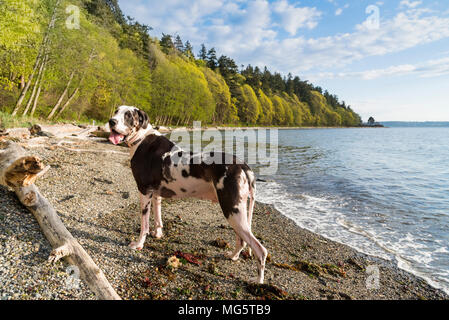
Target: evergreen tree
[227, 67]
[166, 43]
[188, 50]
[203, 53]
[212, 62]
[178, 44]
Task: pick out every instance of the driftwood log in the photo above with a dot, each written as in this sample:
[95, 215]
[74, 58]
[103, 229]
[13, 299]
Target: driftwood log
[19, 171]
[101, 134]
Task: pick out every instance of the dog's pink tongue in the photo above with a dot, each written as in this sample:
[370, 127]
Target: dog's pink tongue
[115, 138]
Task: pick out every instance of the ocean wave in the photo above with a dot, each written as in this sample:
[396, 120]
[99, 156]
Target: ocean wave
[321, 215]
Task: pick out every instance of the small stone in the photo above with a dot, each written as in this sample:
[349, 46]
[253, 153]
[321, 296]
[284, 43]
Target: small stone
[221, 243]
[212, 268]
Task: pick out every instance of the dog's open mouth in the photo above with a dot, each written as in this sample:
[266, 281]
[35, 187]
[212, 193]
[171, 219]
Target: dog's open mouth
[116, 137]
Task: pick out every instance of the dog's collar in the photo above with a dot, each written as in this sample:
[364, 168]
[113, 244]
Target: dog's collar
[135, 142]
[138, 137]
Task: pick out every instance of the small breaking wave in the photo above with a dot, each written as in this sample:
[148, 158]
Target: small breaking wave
[322, 216]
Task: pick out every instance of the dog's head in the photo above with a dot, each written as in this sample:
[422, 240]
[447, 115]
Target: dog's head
[126, 122]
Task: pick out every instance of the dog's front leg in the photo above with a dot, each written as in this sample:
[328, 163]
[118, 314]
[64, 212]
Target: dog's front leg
[157, 210]
[145, 205]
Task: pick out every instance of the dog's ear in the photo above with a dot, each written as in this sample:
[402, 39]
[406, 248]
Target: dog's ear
[143, 119]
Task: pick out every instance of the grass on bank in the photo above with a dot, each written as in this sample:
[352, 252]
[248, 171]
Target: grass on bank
[7, 121]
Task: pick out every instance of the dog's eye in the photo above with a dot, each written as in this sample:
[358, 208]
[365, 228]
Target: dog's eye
[129, 120]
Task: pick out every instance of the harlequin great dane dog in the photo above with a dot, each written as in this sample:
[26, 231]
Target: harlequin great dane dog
[163, 170]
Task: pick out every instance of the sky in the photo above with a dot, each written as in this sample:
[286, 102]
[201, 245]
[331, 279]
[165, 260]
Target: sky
[387, 59]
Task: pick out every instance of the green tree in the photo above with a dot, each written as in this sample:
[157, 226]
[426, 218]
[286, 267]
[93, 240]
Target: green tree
[267, 109]
[212, 62]
[22, 24]
[225, 110]
[248, 106]
[227, 67]
[203, 53]
[188, 51]
[166, 43]
[279, 110]
[178, 44]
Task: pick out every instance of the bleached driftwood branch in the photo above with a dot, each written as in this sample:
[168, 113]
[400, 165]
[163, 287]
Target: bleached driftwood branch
[19, 171]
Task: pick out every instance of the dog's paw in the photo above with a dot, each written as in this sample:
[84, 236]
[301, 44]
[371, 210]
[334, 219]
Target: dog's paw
[136, 245]
[231, 255]
[157, 234]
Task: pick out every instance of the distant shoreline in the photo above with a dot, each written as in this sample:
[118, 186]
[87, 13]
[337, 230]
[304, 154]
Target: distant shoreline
[164, 129]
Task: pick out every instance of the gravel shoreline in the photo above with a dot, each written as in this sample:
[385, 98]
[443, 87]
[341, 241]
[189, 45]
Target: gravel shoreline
[96, 197]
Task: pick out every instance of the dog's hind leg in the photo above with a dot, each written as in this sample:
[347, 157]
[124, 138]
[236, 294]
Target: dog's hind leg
[145, 205]
[239, 246]
[239, 222]
[234, 206]
[157, 211]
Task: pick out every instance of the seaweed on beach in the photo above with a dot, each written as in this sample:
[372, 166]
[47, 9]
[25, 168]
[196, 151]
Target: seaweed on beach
[189, 257]
[268, 292]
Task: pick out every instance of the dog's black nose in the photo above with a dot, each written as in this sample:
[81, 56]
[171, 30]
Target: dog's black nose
[112, 123]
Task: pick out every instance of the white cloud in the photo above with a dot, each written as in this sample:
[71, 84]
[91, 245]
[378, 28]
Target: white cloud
[339, 11]
[404, 31]
[256, 42]
[410, 4]
[293, 18]
[250, 30]
[172, 16]
[247, 31]
[427, 69]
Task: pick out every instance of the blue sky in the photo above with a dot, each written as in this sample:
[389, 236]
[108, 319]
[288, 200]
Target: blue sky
[387, 59]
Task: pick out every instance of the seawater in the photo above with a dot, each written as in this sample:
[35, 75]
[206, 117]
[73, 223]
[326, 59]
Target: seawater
[383, 191]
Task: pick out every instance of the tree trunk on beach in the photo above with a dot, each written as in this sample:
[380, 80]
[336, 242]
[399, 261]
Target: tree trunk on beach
[61, 98]
[22, 82]
[35, 87]
[69, 100]
[27, 86]
[36, 99]
[19, 171]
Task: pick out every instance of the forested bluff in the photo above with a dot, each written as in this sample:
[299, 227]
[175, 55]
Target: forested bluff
[53, 68]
